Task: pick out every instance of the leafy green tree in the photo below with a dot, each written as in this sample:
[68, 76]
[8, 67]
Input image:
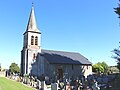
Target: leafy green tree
[100, 67]
[97, 68]
[105, 66]
[14, 68]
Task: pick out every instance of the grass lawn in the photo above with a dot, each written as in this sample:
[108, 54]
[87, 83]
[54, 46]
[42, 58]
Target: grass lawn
[6, 84]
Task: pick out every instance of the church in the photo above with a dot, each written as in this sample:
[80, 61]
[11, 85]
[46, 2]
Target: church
[52, 63]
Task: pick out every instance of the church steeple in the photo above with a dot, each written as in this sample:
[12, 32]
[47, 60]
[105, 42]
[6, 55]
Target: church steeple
[31, 45]
[32, 35]
[32, 25]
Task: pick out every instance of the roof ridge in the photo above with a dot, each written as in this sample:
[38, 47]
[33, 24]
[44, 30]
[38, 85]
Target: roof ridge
[60, 51]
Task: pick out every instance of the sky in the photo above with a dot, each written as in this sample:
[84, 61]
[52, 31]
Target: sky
[89, 27]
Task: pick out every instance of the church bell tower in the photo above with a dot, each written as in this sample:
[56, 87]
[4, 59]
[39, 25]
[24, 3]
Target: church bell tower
[31, 44]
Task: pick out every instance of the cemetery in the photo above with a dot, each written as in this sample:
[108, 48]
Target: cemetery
[92, 82]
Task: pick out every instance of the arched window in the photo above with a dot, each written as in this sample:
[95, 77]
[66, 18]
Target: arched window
[36, 40]
[32, 40]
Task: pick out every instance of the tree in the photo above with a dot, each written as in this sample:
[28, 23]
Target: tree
[97, 68]
[117, 51]
[117, 57]
[14, 68]
[117, 10]
[105, 66]
[100, 67]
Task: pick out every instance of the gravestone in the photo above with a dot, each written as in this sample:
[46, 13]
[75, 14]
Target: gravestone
[43, 85]
[54, 86]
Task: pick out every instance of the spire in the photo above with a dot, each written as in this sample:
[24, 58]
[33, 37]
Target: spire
[32, 25]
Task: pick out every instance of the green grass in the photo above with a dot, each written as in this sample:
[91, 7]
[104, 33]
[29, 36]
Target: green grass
[6, 84]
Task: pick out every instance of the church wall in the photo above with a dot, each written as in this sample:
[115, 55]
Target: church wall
[24, 61]
[69, 71]
[22, 65]
[42, 66]
[38, 66]
[34, 69]
[73, 71]
[30, 60]
[25, 40]
[50, 70]
[87, 70]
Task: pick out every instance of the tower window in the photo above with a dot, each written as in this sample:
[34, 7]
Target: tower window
[32, 40]
[36, 40]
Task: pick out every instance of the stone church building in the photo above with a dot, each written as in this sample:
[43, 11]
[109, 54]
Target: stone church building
[36, 61]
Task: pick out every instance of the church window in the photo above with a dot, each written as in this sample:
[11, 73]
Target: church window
[36, 40]
[34, 57]
[32, 40]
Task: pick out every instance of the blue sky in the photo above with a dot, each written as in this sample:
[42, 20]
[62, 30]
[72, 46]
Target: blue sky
[88, 27]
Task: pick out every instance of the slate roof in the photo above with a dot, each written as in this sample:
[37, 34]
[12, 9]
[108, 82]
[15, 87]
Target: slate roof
[61, 57]
[32, 25]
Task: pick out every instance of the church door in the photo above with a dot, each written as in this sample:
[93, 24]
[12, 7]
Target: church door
[60, 73]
